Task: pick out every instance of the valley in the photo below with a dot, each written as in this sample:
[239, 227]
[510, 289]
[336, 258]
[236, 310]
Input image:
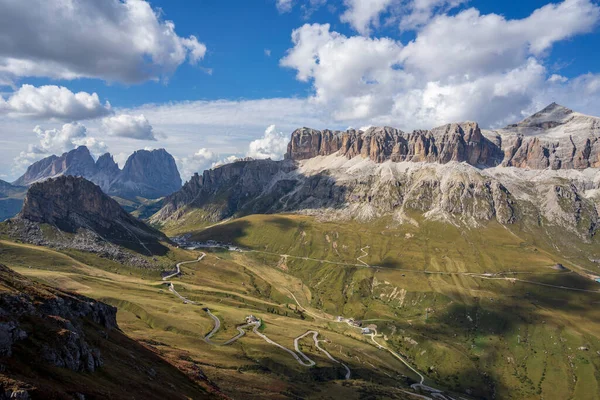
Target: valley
[506, 326]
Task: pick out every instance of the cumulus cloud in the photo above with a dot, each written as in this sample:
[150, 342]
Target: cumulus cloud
[58, 141]
[419, 12]
[464, 66]
[272, 145]
[198, 162]
[53, 102]
[113, 40]
[362, 14]
[357, 77]
[129, 126]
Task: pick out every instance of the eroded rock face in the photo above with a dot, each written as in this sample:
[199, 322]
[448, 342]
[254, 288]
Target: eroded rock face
[79, 207]
[452, 142]
[148, 174]
[456, 172]
[556, 138]
[50, 323]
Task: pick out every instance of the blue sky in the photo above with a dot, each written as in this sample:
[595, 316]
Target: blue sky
[210, 80]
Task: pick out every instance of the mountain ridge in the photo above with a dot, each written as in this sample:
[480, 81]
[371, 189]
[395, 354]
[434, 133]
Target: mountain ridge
[148, 174]
[457, 172]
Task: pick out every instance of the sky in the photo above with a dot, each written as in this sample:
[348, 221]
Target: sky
[214, 80]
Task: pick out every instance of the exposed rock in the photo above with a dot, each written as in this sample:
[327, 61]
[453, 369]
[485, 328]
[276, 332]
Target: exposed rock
[556, 138]
[25, 311]
[452, 142]
[78, 162]
[77, 206]
[149, 174]
[60, 345]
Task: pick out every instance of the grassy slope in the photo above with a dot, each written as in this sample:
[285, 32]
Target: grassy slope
[129, 368]
[516, 340]
[519, 338]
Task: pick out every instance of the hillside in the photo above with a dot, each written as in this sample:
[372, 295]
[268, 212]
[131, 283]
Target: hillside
[74, 213]
[78, 348]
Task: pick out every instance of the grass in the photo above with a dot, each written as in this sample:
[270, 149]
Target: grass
[513, 340]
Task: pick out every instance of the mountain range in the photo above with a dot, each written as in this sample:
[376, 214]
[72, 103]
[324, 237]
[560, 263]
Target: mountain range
[540, 170]
[148, 174]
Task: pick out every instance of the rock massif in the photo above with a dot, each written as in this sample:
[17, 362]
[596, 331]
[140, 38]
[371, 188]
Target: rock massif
[60, 345]
[542, 170]
[452, 142]
[148, 174]
[76, 206]
[556, 138]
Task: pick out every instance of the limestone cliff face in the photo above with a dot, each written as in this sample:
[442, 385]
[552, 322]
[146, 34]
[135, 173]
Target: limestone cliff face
[452, 142]
[455, 172]
[223, 190]
[555, 138]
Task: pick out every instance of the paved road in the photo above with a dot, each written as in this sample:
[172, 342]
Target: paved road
[315, 336]
[178, 267]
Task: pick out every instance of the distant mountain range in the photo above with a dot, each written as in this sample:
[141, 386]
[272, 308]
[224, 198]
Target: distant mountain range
[11, 199]
[147, 174]
[540, 171]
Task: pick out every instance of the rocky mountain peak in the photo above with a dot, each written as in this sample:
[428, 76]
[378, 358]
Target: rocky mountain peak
[149, 174]
[75, 205]
[550, 117]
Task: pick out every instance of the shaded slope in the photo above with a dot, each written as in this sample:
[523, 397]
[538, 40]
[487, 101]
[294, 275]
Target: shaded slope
[58, 345]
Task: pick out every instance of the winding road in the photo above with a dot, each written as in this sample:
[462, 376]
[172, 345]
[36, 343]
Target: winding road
[298, 355]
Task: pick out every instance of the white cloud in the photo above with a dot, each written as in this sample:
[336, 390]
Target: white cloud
[420, 12]
[53, 102]
[272, 145]
[357, 77]
[555, 78]
[129, 126]
[268, 52]
[465, 66]
[113, 40]
[198, 162]
[284, 6]
[471, 44]
[58, 141]
[362, 14]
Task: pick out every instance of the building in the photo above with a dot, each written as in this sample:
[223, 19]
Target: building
[250, 319]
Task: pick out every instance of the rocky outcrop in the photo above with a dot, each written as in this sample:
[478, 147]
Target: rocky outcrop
[107, 170]
[50, 323]
[60, 345]
[452, 142]
[455, 172]
[555, 138]
[148, 174]
[76, 206]
[224, 190]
